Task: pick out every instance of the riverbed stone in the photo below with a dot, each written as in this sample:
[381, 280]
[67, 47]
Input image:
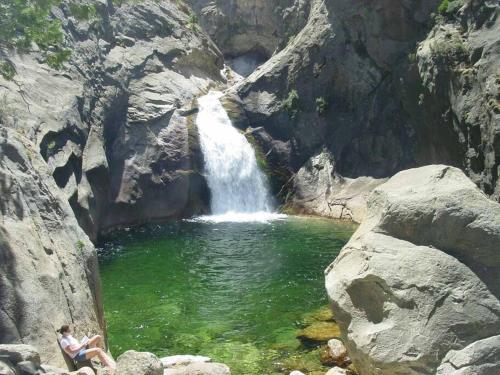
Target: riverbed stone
[419, 278]
[138, 363]
[337, 371]
[199, 368]
[319, 332]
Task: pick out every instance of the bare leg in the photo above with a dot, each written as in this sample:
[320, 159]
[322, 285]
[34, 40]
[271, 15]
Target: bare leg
[96, 342]
[103, 357]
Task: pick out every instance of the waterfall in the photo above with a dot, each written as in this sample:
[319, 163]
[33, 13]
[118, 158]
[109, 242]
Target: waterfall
[238, 188]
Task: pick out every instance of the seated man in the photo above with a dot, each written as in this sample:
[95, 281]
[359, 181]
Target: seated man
[82, 352]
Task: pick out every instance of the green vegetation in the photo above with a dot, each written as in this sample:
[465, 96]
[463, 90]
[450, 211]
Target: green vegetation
[7, 70]
[80, 245]
[25, 22]
[321, 105]
[291, 103]
[447, 7]
[193, 22]
[443, 7]
[83, 12]
[452, 51]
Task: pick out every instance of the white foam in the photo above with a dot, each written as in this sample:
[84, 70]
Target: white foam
[235, 217]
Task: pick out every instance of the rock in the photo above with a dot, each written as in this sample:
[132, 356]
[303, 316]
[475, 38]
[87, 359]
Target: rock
[296, 373]
[28, 368]
[418, 279]
[138, 363]
[199, 368]
[337, 371]
[48, 269]
[6, 367]
[20, 352]
[319, 332]
[479, 358]
[335, 353]
[319, 189]
[183, 360]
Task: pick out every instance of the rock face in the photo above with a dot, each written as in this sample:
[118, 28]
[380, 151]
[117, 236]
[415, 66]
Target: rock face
[138, 363]
[118, 136]
[418, 281]
[49, 274]
[353, 82]
[319, 189]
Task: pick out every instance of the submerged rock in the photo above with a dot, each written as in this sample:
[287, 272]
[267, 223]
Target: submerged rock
[182, 360]
[319, 332]
[419, 278]
[138, 363]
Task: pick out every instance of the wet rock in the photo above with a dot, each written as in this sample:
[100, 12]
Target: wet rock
[418, 279]
[335, 354]
[319, 332]
[138, 363]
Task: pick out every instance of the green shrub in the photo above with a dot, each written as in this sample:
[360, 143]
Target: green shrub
[7, 70]
[83, 12]
[443, 7]
[193, 22]
[80, 245]
[24, 22]
[291, 103]
[56, 59]
[321, 105]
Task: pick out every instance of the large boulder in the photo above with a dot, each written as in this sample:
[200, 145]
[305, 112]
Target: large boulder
[48, 267]
[419, 278]
[138, 363]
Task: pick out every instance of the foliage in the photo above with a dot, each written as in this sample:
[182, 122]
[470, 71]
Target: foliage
[80, 245]
[450, 52]
[83, 12]
[291, 103]
[7, 70]
[443, 7]
[321, 105]
[25, 22]
[193, 22]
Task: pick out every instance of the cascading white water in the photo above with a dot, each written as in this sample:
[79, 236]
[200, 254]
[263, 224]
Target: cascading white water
[238, 187]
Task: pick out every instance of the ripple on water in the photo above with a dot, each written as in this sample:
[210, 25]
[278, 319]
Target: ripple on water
[234, 291]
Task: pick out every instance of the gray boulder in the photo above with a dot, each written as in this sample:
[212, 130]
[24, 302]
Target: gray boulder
[479, 358]
[418, 279]
[138, 363]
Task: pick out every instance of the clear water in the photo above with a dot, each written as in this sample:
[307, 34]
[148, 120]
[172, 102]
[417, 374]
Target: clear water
[233, 176]
[236, 292]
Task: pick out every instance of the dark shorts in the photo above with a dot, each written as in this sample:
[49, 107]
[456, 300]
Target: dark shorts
[80, 357]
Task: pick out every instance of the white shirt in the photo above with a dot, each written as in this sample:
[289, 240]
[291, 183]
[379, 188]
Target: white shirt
[68, 341]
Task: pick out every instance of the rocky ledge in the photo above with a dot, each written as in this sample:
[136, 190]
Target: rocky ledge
[415, 290]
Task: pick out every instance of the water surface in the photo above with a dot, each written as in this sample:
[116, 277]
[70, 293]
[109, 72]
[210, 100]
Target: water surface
[236, 292]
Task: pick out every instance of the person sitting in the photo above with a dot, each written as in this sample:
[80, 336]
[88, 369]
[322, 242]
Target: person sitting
[87, 350]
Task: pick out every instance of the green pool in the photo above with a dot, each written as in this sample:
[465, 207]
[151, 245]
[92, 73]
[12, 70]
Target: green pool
[236, 292]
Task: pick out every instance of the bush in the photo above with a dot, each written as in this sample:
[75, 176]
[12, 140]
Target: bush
[7, 70]
[321, 105]
[83, 12]
[24, 22]
[443, 7]
[291, 103]
[193, 22]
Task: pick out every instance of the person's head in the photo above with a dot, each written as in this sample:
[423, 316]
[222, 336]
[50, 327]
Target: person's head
[64, 329]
